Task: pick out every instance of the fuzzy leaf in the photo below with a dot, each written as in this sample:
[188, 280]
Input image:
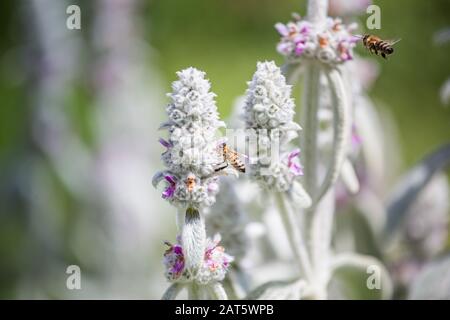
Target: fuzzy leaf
[409, 187]
[279, 290]
[360, 277]
[349, 178]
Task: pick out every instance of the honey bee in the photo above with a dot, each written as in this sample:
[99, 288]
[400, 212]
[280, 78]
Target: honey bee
[190, 182]
[230, 157]
[378, 46]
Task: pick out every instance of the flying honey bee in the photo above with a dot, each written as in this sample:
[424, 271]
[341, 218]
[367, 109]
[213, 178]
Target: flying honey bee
[230, 157]
[190, 182]
[378, 46]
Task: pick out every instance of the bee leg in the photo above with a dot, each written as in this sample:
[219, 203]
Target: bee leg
[383, 55]
[221, 167]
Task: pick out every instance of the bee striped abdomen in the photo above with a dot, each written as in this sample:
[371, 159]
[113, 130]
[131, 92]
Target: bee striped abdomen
[378, 46]
[233, 157]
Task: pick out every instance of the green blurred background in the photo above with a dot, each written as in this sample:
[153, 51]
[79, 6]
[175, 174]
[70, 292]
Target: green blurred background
[225, 38]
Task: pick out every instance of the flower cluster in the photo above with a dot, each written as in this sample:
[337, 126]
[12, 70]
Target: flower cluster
[269, 110]
[331, 44]
[214, 267]
[191, 149]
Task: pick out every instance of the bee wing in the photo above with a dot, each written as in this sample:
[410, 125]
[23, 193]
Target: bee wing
[237, 154]
[392, 42]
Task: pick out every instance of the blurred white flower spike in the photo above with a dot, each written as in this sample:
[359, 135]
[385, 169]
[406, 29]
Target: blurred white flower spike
[331, 43]
[191, 149]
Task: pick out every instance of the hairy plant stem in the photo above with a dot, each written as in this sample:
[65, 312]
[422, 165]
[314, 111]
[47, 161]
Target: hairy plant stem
[317, 11]
[193, 239]
[341, 126]
[294, 235]
[193, 291]
[310, 125]
[173, 291]
[217, 291]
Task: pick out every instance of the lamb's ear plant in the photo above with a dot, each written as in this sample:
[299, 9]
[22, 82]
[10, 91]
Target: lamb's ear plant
[317, 49]
[194, 261]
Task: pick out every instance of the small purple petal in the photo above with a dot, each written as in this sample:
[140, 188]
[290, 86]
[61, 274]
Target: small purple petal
[356, 139]
[354, 39]
[299, 48]
[284, 48]
[212, 187]
[293, 154]
[168, 193]
[177, 249]
[178, 267]
[165, 143]
[170, 179]
[294, 167]
[282, 29]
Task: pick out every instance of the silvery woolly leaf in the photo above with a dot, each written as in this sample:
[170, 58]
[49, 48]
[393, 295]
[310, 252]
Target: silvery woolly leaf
[409, 187]
[433, 282]
[279, 290]
[300, 196]
[357, 276]
[355, 232]
[349, 178]
[291, 71]
[157, 178]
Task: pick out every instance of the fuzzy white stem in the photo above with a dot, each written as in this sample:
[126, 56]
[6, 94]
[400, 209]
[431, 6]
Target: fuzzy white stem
[341, 124]
[294, 236]
[172, 292]
[310, 126]
[193, 291]
[291, 72]
[181, 213]
[317, 11]
[193, 240]
[217, 291]
[321, 229]
[349, 177]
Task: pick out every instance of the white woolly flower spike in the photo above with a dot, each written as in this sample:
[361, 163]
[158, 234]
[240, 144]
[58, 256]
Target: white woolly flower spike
[268, 103]
[331, 43]
[191, 149]
[269, 110]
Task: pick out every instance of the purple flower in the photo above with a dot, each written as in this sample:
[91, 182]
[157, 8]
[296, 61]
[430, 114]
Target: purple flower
[177, 267]
[293, 163]
[282, 29]
[170, 190]
[174, 260]
[214, 267]
[165, 143]
[284, 47]
[299, 47]
[177, 249]
[305, 27]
